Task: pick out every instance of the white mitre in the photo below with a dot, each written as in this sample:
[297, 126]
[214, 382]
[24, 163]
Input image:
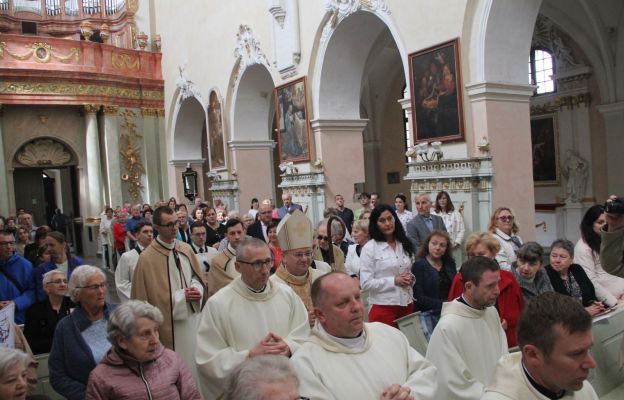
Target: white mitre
[294, 231]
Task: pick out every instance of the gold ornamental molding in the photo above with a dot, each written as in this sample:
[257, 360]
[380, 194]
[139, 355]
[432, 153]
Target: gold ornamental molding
[42, 52]
[131, 154]
[79, 89]
[111, 110]
[125, 61]
[91, 108]
[152, 112]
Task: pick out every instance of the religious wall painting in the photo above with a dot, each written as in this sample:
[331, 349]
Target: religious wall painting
[216, 142]
[293, 125]
[436, 92]
[545, 150]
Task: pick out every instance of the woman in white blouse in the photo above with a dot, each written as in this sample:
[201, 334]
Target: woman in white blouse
[405, 215]
[609, 288]
[453, 220]
[360, 237]
[385, 272]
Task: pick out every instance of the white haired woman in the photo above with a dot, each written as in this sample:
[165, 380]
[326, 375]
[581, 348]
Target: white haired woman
[42, 317]
[80, 341]
[14, 374]
[138, 366]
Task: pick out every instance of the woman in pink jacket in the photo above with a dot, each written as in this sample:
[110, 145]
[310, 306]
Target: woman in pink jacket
[138, 366]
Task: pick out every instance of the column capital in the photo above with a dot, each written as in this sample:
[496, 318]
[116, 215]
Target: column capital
[91, 108]
[342, 125]
[611, 108]
[499, 91]
[251, 144]
[111, 110]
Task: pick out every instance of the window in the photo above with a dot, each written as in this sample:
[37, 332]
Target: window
[541, 71]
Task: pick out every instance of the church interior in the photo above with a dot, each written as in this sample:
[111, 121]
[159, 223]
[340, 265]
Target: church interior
[497, 102]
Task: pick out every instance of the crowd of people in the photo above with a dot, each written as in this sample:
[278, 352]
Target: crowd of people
[215, 303]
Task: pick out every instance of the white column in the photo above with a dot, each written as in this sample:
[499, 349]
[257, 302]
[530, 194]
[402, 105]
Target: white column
[111, 155]
[153, 169]
[4, 184]
[94, 171]
[613, 115]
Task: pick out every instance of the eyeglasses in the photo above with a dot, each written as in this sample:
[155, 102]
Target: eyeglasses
[8, 243]
[307, 254]
[258, 265]
[325, 238]
[93, 287]
[506, 218]
[59, 281]
[170, 225]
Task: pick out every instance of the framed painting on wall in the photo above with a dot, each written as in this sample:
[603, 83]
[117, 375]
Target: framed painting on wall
[216, 142]
[436, 91]
[292, 121]
[545, 149]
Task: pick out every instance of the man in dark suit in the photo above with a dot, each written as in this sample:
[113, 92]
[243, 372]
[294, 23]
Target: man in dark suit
[259, 228]
[288, 207]
[424, 222]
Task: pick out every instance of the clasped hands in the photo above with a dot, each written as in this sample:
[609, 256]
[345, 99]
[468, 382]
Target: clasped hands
[270, 344]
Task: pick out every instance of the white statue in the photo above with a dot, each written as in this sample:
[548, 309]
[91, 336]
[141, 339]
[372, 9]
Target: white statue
[575, 170]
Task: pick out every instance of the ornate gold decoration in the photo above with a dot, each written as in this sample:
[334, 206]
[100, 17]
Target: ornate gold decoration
[111, 110]
[573, 101]
[91, 108]
[43, 119]
[152, 112]
[79, 89]
[133, 6]
[124, 61]
[131, 155]
[42, 52]
[43, 152]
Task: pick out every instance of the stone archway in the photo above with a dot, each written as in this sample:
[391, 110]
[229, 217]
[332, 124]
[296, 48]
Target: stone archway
[251, 140]
[189, 142]
[358, 80]
[45, 178]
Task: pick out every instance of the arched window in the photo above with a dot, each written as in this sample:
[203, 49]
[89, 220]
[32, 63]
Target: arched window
[541, 71]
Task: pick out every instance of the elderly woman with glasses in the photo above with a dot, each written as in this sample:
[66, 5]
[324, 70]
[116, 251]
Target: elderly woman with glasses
[42, 317]
[504, 229]
[80, 339]
[138, 366]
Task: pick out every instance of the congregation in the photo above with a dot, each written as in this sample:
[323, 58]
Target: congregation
[264, 304]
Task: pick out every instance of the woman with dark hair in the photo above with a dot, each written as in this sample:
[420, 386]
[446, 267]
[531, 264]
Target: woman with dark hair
[609, 288]
[569, 278]
[529, 272]
[172, 203]
[253, 211]
[60, 258]
[386, 262]
[274, 245]
[434, 270]
[405, 215]
[30, 250]
[453, 220]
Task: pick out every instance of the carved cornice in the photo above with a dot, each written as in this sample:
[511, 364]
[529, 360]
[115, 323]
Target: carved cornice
[340, 9]
[569, 102]
[304, 180]
[79, 89]
[91, 108]
[248, 51]
[224, 187]
[187, 87]
[497, 91]
[454, 175]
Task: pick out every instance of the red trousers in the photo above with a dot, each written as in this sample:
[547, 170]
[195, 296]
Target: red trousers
[388, 314]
